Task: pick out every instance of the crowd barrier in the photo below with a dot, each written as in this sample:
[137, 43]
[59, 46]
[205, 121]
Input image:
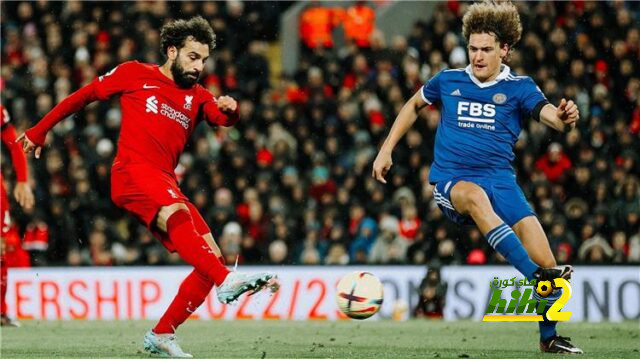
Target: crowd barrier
[609, 293]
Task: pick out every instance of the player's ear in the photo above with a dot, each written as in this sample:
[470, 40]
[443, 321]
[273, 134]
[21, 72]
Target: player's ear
[172, 53]
[504, 51]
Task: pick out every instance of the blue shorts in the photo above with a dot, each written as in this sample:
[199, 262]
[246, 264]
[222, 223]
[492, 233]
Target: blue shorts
[507, 199]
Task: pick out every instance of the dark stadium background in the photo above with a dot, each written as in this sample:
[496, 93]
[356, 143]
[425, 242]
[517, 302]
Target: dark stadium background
[290, 183]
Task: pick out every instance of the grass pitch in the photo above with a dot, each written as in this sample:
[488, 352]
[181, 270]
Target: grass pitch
[281, 339]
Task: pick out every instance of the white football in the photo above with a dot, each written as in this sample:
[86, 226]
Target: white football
[359, 295]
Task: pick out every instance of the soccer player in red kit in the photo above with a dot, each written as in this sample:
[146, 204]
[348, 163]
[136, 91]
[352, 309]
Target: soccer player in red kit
[161, 105]
[9, 238]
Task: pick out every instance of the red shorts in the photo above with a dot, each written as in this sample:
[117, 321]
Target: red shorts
[5, 218]
[142, 190]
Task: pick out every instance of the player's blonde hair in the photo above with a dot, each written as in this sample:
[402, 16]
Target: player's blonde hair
[499, 18]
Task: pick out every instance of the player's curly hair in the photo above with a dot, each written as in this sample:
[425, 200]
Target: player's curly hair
[176, 32]
[499, 18]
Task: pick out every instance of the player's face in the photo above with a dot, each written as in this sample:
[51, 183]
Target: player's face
[486, 56]
[189, 63]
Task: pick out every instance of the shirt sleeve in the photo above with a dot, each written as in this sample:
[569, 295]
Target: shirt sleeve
[213, 115]
[9, 136]
[103, 87]
[115, 81]
[531, 98]
[431, 90]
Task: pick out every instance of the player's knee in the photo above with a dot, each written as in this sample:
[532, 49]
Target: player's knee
[477, 201]
[166, 212]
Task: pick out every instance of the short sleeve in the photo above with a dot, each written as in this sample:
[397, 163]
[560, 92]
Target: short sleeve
[431, 90]
[116, 80]
[531, 96]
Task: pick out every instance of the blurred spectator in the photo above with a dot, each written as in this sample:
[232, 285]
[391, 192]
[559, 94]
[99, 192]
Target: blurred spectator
[359, 22]
[433, 291]
[554, 163]
[595, 250]
[389, 248]
[316, 25]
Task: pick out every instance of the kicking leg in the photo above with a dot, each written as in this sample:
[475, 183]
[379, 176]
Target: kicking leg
[470, 199]
[177, 221]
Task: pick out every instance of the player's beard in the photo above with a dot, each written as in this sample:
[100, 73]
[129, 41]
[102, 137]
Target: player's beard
[182, 78]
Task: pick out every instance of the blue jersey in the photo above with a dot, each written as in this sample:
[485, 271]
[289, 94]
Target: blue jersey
[480, 122]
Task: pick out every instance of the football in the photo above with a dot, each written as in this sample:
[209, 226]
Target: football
[359, 295]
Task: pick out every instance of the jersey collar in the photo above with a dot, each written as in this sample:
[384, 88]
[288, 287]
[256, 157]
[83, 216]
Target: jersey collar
[504, 72]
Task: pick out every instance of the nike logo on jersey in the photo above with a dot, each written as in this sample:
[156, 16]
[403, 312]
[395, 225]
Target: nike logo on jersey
[146, 87]
[456, 92]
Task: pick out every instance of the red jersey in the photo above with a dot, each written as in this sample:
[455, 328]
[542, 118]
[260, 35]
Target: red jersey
[157, 116]
[9, 137]
[19, 161]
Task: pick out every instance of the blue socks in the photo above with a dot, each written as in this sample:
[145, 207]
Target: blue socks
[547, 328]
[505, 241]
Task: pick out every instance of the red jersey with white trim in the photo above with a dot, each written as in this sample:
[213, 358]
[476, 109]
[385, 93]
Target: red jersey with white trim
[9, 136]
[157, 116]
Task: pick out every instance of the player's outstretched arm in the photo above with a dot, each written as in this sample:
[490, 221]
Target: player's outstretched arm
[562, 118]
[113, 82]
[401, 125]
[34, 138]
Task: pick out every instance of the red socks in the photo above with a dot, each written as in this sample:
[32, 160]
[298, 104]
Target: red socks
[193, 290]
[209, 271]
[193, 248]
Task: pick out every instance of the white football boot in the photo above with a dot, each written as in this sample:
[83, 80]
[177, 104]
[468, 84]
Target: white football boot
[164, 345]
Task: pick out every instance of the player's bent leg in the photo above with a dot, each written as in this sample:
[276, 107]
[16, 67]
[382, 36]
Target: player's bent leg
[166, 212]
[470, 199]
[535, 241]
[193, 248]
[178, 223]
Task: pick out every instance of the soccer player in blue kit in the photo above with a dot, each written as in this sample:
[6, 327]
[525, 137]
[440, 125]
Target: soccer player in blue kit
[482, 107]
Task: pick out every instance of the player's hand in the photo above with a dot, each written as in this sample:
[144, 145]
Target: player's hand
[381, 165]
[227, 104]
[568, 112]
[24, 196]
[28, 146]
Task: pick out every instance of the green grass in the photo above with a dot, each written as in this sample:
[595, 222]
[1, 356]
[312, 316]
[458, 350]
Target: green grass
[354, 339]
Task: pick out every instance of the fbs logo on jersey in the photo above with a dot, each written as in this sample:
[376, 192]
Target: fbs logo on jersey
[187, 102]
[152, 104]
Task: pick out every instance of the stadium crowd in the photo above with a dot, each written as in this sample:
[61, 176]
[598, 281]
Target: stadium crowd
[291, 182]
